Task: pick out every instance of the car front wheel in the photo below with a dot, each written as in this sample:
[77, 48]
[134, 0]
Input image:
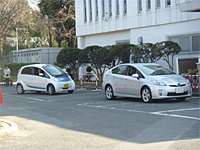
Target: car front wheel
[51, 89]
[109, 93]
[146, 95]
[70, 91]
[20, 89]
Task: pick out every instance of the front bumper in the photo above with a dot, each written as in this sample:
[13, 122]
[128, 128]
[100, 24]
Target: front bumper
[61, 86]
[161, 92]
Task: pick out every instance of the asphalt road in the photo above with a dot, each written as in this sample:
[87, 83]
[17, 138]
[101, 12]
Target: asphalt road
[86, 120]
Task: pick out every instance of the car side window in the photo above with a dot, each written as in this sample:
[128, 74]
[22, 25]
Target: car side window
[27, 70]
[37, 71]
[131, 71]
[120, 70]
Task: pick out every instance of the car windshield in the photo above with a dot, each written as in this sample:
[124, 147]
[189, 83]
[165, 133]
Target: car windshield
[155, 70]
[55, 71]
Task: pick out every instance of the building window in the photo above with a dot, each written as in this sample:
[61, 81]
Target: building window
[188, 43]
[184, 43]
[122, 42]
[97, 10]
[139, 5]
[158, 4]
[168, 3]
[103, 9]
[195, 43]
[148, 4]
[85, 11]
[90, 5]
[110, 8]
[125, 7]
[117, 7]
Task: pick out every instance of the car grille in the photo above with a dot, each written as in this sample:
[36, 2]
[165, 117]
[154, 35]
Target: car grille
[176, 94]
[177, 85]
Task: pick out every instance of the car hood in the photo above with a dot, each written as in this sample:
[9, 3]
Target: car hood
[170, 79]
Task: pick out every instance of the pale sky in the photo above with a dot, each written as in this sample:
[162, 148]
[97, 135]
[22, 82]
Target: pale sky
[33, 4]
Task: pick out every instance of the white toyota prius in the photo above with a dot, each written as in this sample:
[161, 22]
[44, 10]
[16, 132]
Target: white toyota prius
[147, 81]
[43, 77]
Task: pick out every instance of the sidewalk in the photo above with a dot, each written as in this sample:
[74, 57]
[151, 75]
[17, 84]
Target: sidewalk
[7, 127]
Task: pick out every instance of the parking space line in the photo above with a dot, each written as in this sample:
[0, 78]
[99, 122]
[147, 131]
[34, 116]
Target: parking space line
[177, 116]
[35, 99]
[160, 113]
[178, 110]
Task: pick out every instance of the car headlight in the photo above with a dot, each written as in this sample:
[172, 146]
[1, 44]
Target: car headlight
[159, 83]
[188, 83]
[55, 79]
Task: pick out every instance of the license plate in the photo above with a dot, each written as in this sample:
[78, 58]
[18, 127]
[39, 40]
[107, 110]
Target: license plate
[179, 90]
[66, 86]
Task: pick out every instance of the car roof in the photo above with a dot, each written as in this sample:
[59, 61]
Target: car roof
[37, 65]
[139, 64]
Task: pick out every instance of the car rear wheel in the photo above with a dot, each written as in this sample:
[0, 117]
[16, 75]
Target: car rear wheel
[146, 95]
[51, 89]
[20, 89]
[109, 93]
[181, 99]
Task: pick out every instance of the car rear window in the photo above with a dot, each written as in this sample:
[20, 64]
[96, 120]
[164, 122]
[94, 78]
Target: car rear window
[27, 70]
[120, 70]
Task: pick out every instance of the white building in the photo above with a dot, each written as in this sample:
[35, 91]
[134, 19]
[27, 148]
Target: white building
[108, 22]
[44, 55]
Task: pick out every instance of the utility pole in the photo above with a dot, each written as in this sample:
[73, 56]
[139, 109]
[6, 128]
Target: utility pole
[17, 39]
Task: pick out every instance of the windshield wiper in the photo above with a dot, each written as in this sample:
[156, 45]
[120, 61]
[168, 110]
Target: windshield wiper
[172, 73]
[63, 74]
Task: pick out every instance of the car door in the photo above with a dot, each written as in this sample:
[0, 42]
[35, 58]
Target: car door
[40, 80]
[133, 84]
[27, 76]
[119, 79]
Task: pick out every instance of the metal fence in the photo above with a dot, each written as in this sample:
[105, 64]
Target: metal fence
[194, 80]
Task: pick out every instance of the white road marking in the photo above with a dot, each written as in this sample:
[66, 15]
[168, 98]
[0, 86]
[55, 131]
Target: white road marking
[160, 113]
[178, 110]
[177, 116]
[31, 98]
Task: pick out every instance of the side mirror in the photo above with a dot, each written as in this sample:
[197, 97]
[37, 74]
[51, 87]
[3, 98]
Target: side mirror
[41, 74]
[135, 75]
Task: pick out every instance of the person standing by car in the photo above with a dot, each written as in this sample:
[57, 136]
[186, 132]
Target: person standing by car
[7, 75]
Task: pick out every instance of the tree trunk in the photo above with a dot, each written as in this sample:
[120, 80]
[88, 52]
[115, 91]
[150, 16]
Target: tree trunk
[50, 36]
[59, 44]
[1, 48]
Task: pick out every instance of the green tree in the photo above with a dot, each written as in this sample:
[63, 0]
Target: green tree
[166, 50]
[69, 56]
[60, 17]
[120, 53]
[142, 53]
[97, 57]
[11, 13]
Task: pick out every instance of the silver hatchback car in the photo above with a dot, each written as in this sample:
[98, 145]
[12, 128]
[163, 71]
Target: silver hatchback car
[147, 81]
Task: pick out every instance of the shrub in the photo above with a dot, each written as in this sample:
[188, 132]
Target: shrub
[69, 70]
[88, 69]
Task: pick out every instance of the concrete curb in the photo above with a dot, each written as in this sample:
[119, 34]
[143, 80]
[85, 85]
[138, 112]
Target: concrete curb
[9, 128]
